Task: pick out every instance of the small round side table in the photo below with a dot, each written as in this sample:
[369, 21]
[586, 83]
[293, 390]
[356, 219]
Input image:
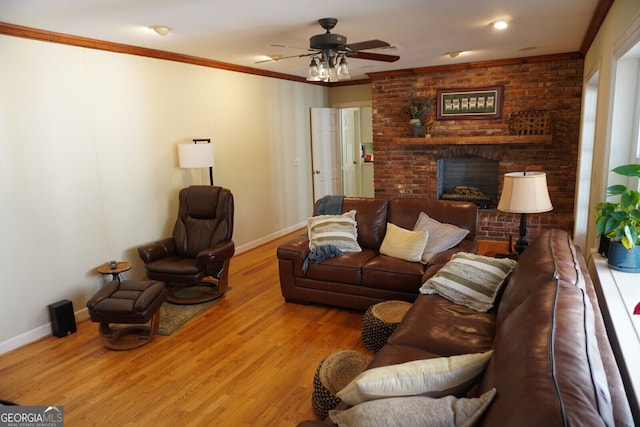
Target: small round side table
[121, 267]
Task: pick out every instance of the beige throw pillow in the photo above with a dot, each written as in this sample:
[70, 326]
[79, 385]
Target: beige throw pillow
[415, 411]
[404, 244]
[340, 231]
[430, 377]
[470, 280]
[441, 236]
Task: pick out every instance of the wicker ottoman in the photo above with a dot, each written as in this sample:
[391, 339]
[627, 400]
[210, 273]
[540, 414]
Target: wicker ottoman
[130, 302]
[333, 374]
[379, 322]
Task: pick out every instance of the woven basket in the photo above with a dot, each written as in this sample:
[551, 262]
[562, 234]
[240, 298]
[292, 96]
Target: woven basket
[529, 123]
[379, 322]
[333, 374]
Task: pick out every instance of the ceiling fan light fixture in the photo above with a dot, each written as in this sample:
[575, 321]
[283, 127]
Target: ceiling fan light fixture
[330, 51]
[161, 30]
[313, 75]
[323, 68]
[343, 69]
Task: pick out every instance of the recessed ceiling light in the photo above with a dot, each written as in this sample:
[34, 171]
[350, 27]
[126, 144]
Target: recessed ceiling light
[500, 25]
[162, 30]
[454, 53]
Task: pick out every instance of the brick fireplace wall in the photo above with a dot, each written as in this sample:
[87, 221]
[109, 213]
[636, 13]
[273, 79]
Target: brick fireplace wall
[553, 84]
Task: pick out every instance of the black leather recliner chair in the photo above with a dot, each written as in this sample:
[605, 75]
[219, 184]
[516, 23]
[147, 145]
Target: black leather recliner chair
[200, 250]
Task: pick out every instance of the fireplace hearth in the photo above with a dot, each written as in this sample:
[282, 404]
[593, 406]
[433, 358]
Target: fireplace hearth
[468, 178]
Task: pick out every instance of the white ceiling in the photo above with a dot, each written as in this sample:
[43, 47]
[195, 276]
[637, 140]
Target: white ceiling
[242, 32]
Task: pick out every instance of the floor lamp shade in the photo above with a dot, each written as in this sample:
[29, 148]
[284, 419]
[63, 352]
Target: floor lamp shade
[525, 192]
[195, 155]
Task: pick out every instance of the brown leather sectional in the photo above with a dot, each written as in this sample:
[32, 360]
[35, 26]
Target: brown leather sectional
[552, 364]
[360, 279]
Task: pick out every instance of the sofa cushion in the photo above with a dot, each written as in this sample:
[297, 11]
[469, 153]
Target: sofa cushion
[551, 254]
[347, 268]
[441, 236]
[470, 280]
[436, 325]
[371, 218]
[434, 377]
[545, 325]
[414, 411]
[404, 244]
[404, 212]
[335, 230]
[542, 356]
[385, 272]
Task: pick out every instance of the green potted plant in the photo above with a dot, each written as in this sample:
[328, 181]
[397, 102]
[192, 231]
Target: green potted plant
[620, 223]
[415, 108]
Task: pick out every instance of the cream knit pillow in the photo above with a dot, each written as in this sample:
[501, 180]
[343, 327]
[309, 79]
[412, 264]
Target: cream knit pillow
[404, 244]
[430, 377]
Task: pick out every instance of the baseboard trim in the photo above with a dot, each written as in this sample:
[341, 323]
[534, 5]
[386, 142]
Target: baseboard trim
[36, 333]
[270, 237]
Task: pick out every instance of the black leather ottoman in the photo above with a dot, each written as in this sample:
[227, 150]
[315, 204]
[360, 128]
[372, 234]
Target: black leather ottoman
[130, 302]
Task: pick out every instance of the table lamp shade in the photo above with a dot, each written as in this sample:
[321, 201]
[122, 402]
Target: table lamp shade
[195, 155]
[525, 192]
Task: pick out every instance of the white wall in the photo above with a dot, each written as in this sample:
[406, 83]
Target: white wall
[351, 96]
[88, 164]
[624, 15]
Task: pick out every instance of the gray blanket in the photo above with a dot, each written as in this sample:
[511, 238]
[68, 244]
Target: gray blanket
[330, 205]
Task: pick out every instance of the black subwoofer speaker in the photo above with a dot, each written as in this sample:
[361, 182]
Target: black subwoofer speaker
[63, 321]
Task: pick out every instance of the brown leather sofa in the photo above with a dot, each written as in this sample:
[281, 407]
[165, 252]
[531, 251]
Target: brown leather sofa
[358, 280]
[552, 364]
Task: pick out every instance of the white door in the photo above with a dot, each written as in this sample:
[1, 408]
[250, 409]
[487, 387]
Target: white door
[325, 149]
[350, 152]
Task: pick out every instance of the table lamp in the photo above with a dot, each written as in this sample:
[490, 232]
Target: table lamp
[523, 193]
[193, 156]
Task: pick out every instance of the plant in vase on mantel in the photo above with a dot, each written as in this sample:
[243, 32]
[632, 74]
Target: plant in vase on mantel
[620, 223]
[416, 107]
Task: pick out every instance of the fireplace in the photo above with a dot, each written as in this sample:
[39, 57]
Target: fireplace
[473, 179]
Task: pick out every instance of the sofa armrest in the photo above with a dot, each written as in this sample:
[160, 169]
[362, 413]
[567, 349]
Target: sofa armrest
[296, 251]
[156, 250]
[218, 253]
[291, 256]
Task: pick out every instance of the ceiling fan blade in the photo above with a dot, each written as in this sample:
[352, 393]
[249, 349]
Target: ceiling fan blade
[369, 44]
[373, 56]
[285, 57]
[290, 47]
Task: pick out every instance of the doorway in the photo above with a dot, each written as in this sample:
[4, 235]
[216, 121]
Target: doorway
[339, 143]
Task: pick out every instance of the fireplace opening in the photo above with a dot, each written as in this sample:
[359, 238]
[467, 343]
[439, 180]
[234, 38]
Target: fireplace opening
[471, 179]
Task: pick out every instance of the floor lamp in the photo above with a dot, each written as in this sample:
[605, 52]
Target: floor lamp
[195, 156]
[524, 193]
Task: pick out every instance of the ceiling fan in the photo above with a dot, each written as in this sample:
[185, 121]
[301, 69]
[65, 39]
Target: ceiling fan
[329, 51]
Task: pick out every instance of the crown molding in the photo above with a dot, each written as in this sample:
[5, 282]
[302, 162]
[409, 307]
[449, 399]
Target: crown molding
[53, 37]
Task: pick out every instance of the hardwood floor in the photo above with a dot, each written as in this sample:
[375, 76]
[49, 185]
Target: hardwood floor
[247, 360]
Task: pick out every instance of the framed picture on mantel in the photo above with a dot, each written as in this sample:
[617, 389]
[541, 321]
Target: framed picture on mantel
[478, 103]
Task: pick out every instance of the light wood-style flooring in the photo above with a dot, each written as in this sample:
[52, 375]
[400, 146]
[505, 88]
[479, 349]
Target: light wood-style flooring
[248, 360]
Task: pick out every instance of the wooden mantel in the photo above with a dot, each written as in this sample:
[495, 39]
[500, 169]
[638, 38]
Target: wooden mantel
[475, 140]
